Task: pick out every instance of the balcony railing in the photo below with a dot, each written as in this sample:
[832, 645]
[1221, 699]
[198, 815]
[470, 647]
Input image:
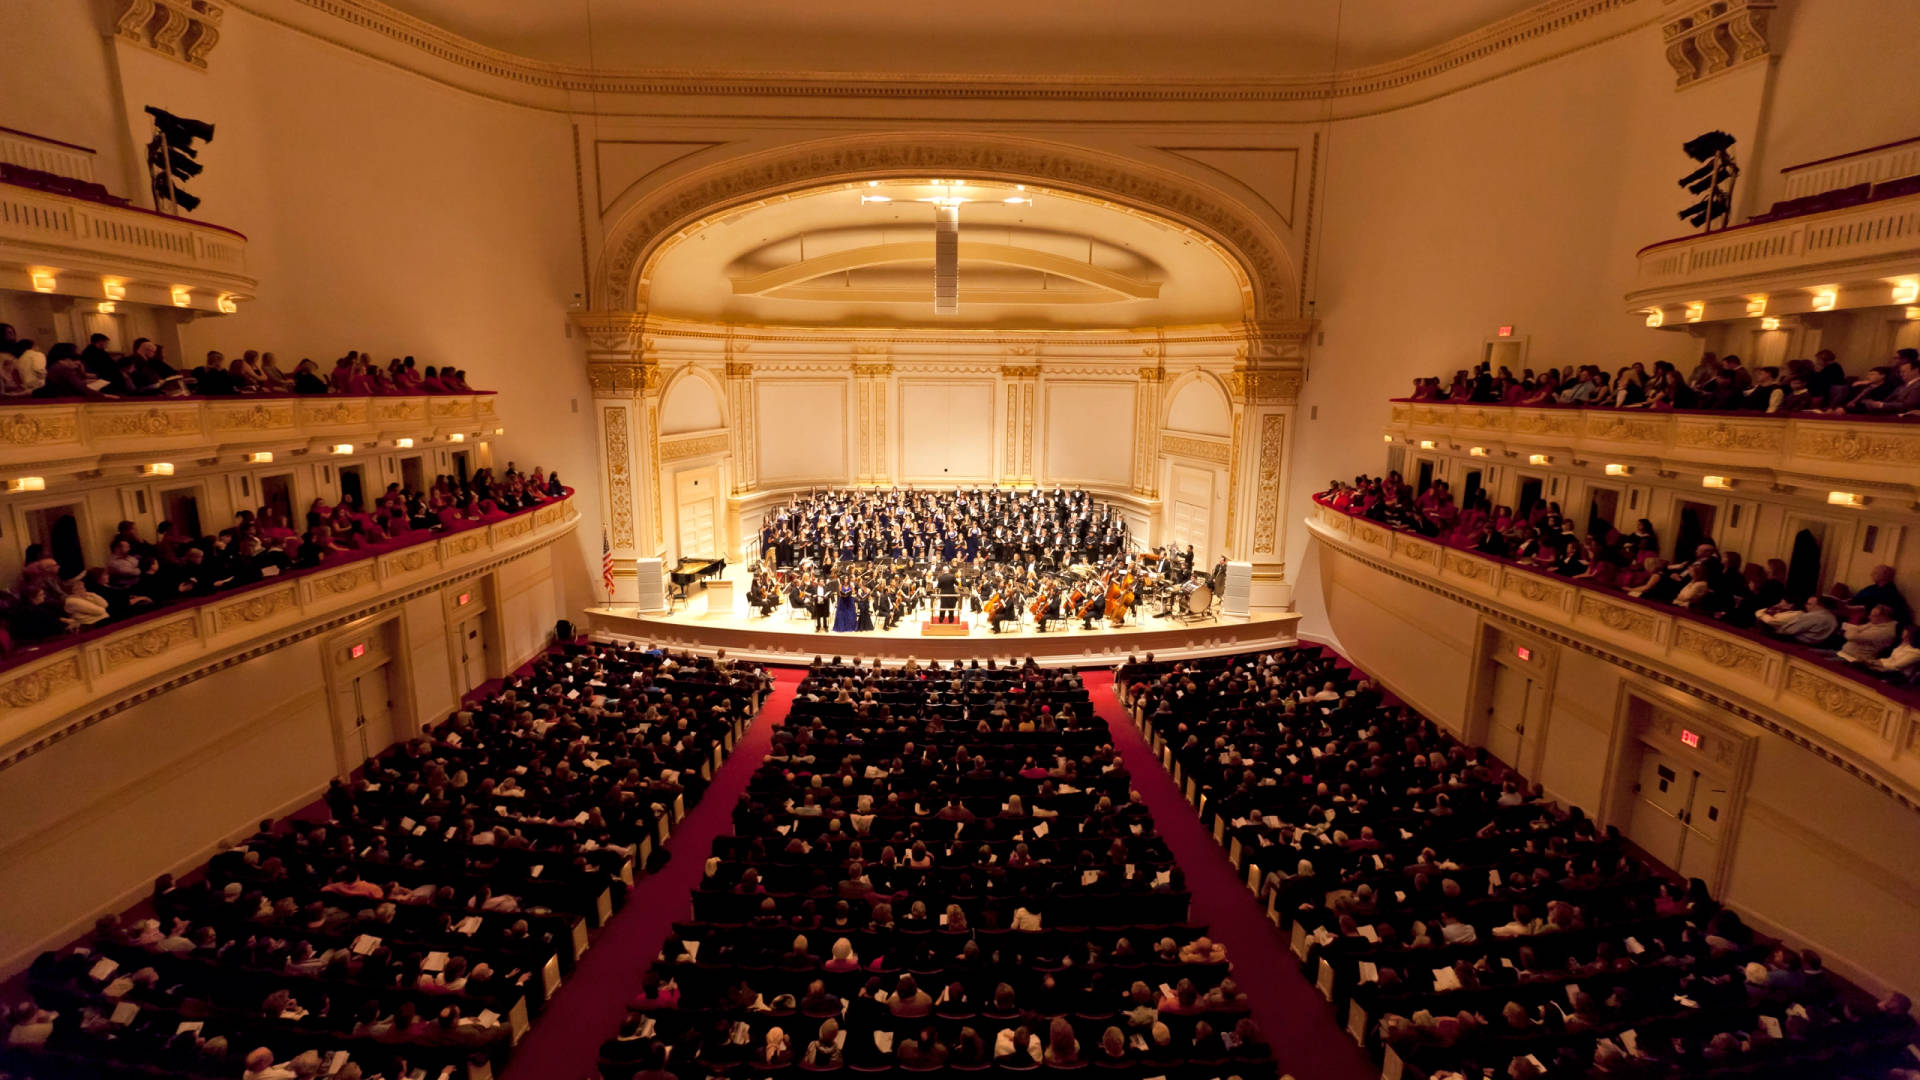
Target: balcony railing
[1864, 721]
[69, 437]
[50, 681]
[1849, 253]
[80, 241]
[1871, 456]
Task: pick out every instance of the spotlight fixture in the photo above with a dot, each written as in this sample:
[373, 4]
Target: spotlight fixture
[1756, 305]
[1477, 451]
[457, 436]
[1656, 317]
[1386, 438]
[113, 288]
[227, 304]
[1906, 292]
[1696, 311]
[182, 296]
[1824, 301]
[105, 307]
[404, 444]
[1539, 459]
[1426, 444]
[1770, 323]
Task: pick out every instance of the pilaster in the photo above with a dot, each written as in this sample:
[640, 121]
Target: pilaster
[740, 432]
[625, 381]
[872, 390]
[1146, 430]
[1022, 383]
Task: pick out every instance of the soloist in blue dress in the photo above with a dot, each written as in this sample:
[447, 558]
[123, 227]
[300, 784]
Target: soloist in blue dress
[845, 618]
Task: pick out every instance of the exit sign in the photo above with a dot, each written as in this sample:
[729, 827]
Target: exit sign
[465, 598]
[1690, 738]
[1506, 331]
[357, 652]
[1523, 652]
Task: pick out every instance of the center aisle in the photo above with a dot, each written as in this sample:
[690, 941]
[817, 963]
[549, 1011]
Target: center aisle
[565, 1042]
[1306, 1042]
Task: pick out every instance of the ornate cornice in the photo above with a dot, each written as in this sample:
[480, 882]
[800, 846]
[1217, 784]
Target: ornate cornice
[1714, 37]
[183, 30]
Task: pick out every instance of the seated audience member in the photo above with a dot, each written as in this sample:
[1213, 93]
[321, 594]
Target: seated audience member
[1811, 625]
[1904, 395]
[1867, 640]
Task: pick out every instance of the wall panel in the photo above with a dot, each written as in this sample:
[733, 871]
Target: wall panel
[1089, 433]
[802, 431]
[946, 431]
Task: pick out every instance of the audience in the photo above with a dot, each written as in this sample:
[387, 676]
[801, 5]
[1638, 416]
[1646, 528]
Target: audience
[1817, 386]
[1857, 627]
[66, 371]
[142, 575]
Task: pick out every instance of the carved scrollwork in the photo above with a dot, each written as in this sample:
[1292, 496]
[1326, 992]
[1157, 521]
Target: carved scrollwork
[1834, 699]
[1718, 651]
[40, 684]
[148, 643]
[1619, 618]
[22, 429]
[1715, 36]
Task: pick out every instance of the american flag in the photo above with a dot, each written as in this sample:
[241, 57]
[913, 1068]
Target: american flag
[606, 565]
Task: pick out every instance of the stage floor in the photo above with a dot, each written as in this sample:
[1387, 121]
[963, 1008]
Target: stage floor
[786, 636]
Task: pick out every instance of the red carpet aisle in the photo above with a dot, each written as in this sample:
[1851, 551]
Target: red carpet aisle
[1306, 1042]
[565, 1042]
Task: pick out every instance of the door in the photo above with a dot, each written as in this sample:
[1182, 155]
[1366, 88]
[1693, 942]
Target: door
[696, 492]
[1424, 478]
[413, 474]
[276, 493]
[1603, 512]
[365, 703]
[57, 530]
[1191, 520]
[1530, 488]
[471, 646]
[181, 506]
[1705, 819]
[1679, 814]
[353, 484]
[1696, 528]
[1507, 704]
[1803, 567]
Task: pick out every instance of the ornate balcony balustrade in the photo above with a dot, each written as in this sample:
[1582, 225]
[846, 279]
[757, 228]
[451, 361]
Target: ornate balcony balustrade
[67, 246]
[66, 438]
[1876, 457]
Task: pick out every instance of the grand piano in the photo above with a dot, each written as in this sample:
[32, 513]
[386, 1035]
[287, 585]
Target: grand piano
[692, 570]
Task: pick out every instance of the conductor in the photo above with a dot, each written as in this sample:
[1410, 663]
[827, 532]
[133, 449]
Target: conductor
[948, 587]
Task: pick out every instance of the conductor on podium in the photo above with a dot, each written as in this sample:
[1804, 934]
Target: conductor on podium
[948, 588]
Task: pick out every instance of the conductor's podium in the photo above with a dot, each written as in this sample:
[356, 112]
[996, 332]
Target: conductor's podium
[930, 628]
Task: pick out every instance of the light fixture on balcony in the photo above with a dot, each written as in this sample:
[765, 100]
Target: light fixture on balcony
[876, 198]
[1849, 499]
[1718, 482]
[1770, 322]
[113, 288]
[1756, 305]
[1913, 313]
[1696, 311]
[227, 304]
[45, 281]
[182, 296]
[157, 468]
[403, 444]
[1476, 451]
[457, 436]
[1656, 317]
[1619, 470]
[260, 457]
[1539, 459]
[1386, 438]
[499, 431]
[26, 483]
[1426, 444]
[1906, 291]
[1824, 300]
[105, 307]
[343, 448]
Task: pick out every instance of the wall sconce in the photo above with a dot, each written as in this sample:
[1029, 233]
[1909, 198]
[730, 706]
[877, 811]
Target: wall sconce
[499, 431]
[261, 457]
[1539, 459]
[457, 436]
[1720, 482]
[1770, 323]
[26, 483]
[1756, 305]
[113, 288]
[1824, 301]
[182, 296]
[1906, 292]
[1477, 451]
[227, 305]
[1696, 311]
[1848, 499]
[105, 307]
[1426, 444]
[404, 444]
[1913, 313]
[1619, 470]
[343, 448]
[157, 468]
[1386, 438]
[44, 281]
[1656, 317]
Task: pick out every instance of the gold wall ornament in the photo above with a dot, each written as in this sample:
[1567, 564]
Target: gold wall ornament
[1617, 616]
[345, 581]
[1719, 651]
[405, 409]
[41, 683]
[333, 413]
[149, 643]
[261, 605]
[1420, 553]
[465, 544]
[1717, 36]
[1020, 371]
[1835, 699]
[617, 332]
[1266, 493]
[514, 527]
[623, 378]
[619, 477]
[406, 562]
[37, 426]
[1617, 429]
[1471, 569]
[153, 423]
[1856, 444]
[254, 416]
[1199, 449]
[1545, 424]
[183, 30]
[682, 449]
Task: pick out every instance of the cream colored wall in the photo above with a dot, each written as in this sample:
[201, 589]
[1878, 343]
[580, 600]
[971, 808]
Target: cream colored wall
[1819, 856]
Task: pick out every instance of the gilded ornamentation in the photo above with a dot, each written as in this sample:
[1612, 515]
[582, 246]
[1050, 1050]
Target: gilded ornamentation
[183, 30]
[1716, 36]
[1418, 552]
[1834, 699]
[1233, 481]
[1545, 424]
[121, 423]
[38, 426]
[1020, 371]
[1617, 429]
[259, 606]
[1719, 651]
[1817, 440]
[1400, 413]
[681, 449]
[1471, 569]
[739, 369]
[1532, 588]
[41, 683]
[1266, 497]
[402, 409]
[610, 331]
[1368, 534]
[513, 527]
[1187, 446]
[1720, 435]
[622, 378]
[148, 643]
[345, 581]
[407, 561]
[338, 412]
[619, 477]
[450, 408]
[461, 545]
[254, 416]
[1264, 387]
[1620, 618]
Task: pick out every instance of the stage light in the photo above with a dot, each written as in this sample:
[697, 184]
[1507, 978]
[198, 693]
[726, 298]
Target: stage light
[172, 158]
[44, 281]
[26, 483]
[1720, 482]
[157, 468]
[1770, 323]
[1619, 470]
[1847, 499]
[182, 296]
[260, 457]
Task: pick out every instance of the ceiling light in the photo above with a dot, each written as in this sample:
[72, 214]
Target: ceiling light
[1824, 301]
[158, 468]
[1770, 323]
[182, 296]
[44, 281]
[227, 304]
[1477, 451]
[261, 457]
[404, 444]
[26, 483]
[1720, 482]
[1539, 459]
[1426, 444]
[457, 437]
[1015, 200]
[1619, 470]
[343, 448]
[499, 431]
[1655, 317]
[104, 307]
[113, 288]
[1696, 310]
[1757, 305]
[1913, 313]
[1906, 292]
[875, 198]
[1847, 499]
[873, 183]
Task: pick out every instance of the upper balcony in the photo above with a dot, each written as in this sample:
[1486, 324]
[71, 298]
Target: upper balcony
[62, 234]
[48, 439]
[1846, 236]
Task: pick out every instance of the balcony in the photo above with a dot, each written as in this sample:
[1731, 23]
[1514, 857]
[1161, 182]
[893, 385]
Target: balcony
[1854, 720]
[1879, 458]
[64, 245]
[1865, 255]
[56, 438]
[58, 681]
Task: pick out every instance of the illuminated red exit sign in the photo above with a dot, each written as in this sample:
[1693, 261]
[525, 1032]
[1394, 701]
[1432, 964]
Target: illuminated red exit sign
[465, 597]
[357, 652]
[1690, 738]
[1523, 652]
[1506, 331]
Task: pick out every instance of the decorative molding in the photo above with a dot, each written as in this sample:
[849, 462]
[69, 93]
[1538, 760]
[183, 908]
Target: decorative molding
[33, 426]
[1836, 699]
[150, 643]
[699, 446]
[1266, 494]
[1719, 651]
[621, 378]
[1620, 617]
[1201, 449]
[1760, 438]
[1716, 37]
[254, 416]
[252, 609]
[154, 423]
[347, 580]
[41, 683]
[1877, 445]
[619, 476]
[183, 30]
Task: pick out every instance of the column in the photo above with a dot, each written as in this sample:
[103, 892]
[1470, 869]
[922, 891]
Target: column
[626, 405]
[1146, 431]
[1265, 390]
[740, 430]
[872, 383]
[1022, 384]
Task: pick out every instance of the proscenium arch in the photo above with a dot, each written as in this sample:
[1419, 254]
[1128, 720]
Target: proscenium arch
[1269, 290]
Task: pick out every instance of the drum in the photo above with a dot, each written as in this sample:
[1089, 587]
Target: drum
[1199, 600]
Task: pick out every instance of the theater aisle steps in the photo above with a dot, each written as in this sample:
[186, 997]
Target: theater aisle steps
[1306, 1042]
[565, 1043]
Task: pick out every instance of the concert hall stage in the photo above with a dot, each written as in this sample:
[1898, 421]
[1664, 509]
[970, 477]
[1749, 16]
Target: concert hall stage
[785, 637]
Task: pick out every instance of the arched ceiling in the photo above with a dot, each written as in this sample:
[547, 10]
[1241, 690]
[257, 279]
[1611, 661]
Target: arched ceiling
[1133, 38]
[857, 254]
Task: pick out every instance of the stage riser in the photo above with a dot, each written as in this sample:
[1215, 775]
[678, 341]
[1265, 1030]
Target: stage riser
[769, 644]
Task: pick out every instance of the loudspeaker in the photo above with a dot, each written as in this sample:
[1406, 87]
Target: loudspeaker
[1239, 590]
[653, 584]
